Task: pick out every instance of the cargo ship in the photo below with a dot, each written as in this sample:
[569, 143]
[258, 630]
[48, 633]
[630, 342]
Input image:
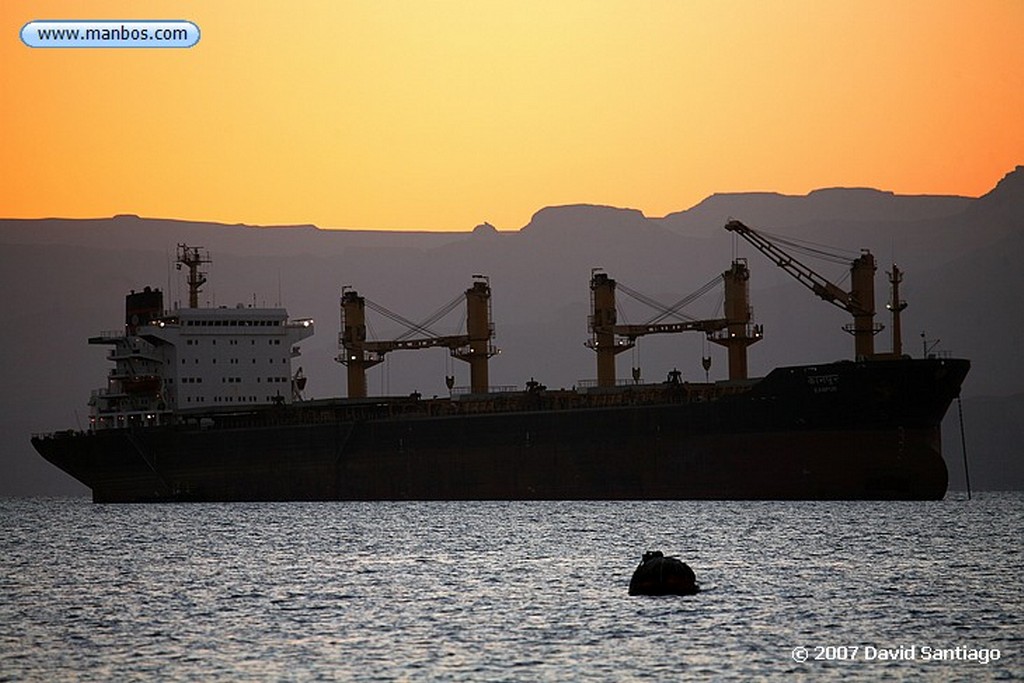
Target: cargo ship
[203, 405]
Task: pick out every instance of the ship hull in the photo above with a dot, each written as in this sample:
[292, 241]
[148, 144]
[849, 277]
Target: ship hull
[836, 431]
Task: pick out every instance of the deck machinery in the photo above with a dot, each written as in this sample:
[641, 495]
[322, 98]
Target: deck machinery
[475, 347]
[735, 331]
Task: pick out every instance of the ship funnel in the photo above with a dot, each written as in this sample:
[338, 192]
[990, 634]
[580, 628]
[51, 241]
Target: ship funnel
[142, 307]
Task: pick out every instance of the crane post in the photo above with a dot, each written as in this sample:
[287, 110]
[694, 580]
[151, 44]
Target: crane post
[353, 338]
[862, 280]
[480, 331]
[602, 327]
[739, 333]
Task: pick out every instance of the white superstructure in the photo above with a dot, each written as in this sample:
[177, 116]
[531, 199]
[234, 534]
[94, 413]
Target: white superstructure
[195, 360]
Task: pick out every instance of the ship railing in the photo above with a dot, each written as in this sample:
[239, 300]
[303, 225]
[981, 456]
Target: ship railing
[493, 389]
[107, 337]
[60, 434]
[592, 383]
[132, 354]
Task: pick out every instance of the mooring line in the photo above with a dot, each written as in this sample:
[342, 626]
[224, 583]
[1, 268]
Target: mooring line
[963, 443]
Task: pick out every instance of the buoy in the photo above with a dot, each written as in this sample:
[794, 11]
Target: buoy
[660, 575]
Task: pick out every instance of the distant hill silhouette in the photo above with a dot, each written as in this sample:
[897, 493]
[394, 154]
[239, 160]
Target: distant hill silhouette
[833, 204]
[961, 255]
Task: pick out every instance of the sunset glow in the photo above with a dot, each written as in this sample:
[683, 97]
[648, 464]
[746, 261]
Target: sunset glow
[441, 115]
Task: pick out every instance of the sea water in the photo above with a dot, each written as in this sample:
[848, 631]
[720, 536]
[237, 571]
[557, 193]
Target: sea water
[531, 591]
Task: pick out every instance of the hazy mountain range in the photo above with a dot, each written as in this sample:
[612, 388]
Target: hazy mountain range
[65, 280]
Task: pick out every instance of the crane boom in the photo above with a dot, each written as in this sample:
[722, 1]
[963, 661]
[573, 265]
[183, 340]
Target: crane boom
[860, 302]
[803, 274]
[386, 346]
[706, 326]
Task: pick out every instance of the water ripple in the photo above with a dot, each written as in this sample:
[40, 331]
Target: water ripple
[499, 591]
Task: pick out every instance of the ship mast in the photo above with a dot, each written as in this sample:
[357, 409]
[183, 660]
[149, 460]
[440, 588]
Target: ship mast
[896, 306]
[192, 258]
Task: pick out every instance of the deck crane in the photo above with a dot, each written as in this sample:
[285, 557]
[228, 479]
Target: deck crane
[859, 301]
[358, 354]
[735, 331]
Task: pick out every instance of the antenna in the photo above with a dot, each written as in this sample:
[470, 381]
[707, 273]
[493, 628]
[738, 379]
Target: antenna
[193, 259]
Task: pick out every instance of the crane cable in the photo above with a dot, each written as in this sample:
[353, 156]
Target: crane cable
[674, 309]
[817, 250]
[687, 300]
[412, 327]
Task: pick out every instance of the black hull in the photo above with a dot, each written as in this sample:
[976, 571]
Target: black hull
[838, 431]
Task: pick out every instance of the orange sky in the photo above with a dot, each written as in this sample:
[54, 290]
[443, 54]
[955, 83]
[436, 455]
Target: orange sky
[444, 114]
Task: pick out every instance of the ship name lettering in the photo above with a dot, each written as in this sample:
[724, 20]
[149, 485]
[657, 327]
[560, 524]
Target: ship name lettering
[824, 383]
